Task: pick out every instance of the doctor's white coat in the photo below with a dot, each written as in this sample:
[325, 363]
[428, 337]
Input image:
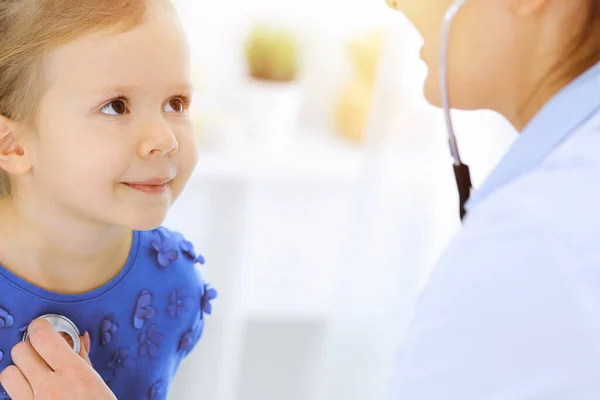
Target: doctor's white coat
[512, 309]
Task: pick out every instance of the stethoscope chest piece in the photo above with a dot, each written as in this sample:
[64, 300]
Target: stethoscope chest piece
[65, 326]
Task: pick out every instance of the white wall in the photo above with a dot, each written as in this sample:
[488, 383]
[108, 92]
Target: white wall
[318, 251]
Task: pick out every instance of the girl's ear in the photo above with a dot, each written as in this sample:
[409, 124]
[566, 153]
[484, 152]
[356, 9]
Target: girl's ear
[13, 157]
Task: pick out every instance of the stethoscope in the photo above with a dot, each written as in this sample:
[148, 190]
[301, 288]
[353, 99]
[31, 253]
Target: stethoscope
[64, 325]
[461, 171]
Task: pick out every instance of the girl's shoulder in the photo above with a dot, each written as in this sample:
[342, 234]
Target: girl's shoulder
[169, 247]
[167, 260]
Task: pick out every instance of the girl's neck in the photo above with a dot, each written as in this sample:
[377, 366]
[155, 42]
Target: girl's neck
[57, 252]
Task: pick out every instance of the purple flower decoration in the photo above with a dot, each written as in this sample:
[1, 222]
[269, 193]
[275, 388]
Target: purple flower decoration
[150, 341]
[208, 295]
[143, 309]
[108, 328]
[3, 393]
[190, 337]
[158, 391]
[6, 320]
[187, 341]
[179, 302]
[187, 248]
[165, 246]
[119, 361]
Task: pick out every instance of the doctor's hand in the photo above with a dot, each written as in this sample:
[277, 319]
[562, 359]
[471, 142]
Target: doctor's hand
[46, 368]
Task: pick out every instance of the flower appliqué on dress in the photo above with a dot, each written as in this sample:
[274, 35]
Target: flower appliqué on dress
[208, 295]
[143, 309]
[6, 320]
[190, 337]
[187, 341]
[150, 341]
[108, 328]
[179, 302]
[187, 248]
[158, 391]
[165, 246]
[120, 361]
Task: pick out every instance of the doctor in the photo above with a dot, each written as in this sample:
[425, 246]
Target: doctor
[512, 310]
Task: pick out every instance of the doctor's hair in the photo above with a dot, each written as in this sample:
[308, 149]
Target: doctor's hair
[30, 29]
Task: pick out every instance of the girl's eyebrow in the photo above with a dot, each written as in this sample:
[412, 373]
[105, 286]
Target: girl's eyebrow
[182, 87]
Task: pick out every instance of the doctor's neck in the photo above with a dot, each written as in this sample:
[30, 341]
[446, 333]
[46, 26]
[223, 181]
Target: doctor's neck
[550, 61]
[552, 66]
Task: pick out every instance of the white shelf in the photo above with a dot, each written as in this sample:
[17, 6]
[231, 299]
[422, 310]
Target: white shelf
[311, 159]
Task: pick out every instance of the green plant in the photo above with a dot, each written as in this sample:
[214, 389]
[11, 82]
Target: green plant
[272, 54]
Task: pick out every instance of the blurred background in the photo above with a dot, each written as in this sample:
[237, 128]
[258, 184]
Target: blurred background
[323, 195]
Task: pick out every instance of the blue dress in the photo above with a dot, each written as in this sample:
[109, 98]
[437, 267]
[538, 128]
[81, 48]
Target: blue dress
[141, 323]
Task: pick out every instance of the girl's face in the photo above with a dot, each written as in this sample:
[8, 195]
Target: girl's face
[481, 48]
[114, 142]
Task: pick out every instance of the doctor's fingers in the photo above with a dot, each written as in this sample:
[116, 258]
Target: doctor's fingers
[52, 347]
[30, 363]
[15, 384]
[84, 351]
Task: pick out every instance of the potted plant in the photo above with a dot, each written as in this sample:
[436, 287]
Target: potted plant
[273, 95]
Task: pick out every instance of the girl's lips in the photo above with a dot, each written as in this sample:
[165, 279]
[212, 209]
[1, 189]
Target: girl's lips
[152, 186]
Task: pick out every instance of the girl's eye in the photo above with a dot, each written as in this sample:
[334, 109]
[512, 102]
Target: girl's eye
[115, 107]
[176, 105]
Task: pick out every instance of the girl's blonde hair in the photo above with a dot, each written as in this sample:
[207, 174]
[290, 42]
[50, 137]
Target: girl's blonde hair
[30, 29]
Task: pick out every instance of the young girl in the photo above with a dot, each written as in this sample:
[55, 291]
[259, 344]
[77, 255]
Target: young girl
[95, 146]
